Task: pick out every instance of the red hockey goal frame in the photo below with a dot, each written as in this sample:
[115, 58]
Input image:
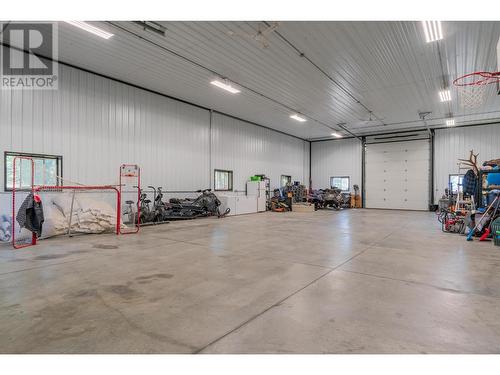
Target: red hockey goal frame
[136, 175]
[33, 235]
[34, 189]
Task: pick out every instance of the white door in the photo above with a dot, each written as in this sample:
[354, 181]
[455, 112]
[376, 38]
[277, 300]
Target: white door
[397, 175]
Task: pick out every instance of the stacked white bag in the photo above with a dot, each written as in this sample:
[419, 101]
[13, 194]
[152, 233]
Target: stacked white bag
[89, 215]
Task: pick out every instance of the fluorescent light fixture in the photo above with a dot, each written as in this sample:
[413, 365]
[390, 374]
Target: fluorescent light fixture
[432, 30]
[225, 86]
[445, 95]
[91, 29]
[298, 118]
[450, 122]
[337, 135]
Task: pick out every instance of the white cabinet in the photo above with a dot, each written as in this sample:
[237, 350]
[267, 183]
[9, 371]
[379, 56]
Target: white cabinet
[239, 204]
[227, 201]
[246, 205]
[254, 201]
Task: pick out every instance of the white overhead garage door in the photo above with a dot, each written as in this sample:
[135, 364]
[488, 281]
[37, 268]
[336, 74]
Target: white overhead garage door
[397, 175]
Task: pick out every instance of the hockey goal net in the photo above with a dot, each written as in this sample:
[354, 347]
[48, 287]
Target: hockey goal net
[67, 210]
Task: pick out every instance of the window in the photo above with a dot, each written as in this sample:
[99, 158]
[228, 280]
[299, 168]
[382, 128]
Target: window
[285, 180]
[455, 183]
[47, 170]
[340, 182]
[223, 180]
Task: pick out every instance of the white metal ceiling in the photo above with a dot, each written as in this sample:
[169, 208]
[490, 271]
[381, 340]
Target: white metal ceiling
[384, 67]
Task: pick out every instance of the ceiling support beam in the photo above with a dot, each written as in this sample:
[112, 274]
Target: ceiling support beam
[341, 126]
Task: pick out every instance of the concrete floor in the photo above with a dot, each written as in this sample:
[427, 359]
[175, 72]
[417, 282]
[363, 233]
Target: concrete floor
[356, 281]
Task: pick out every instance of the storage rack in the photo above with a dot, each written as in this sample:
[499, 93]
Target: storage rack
[482, 191]
[267, 180]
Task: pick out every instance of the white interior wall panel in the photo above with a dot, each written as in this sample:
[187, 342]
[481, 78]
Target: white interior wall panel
[335, 158]
[96, 124]
[397, 175]
[247, 150]
[454, 143]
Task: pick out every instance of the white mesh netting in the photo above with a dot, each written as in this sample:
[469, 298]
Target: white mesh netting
[471, 97]
[92, 213]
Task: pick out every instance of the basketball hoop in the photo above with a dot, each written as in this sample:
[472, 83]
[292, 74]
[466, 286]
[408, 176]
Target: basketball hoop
[472, 87]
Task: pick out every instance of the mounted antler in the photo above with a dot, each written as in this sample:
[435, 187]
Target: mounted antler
[471, 162]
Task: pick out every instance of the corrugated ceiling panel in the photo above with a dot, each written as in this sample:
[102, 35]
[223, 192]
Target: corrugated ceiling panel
[385, 65]
[389, 67]
[143, 64]
[245, 59]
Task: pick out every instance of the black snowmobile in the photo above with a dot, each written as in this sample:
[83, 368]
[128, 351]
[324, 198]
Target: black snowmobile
[207, 204]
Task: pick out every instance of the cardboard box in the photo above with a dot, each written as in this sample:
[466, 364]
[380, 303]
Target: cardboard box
[302, 207]
[357, 201]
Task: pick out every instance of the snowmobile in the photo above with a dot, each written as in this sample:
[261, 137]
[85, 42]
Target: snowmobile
[207, 204]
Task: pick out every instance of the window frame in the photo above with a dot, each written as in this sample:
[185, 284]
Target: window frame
[459, 186]
[288, 177]
[57, 158]
[230, 174]
[348, 183]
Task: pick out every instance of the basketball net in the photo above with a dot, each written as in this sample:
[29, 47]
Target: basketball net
[472, 87]
[471, 97]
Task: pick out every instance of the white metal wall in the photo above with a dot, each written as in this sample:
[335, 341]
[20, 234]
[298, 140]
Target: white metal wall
[96, 124]
[335, 158]
[454, 143]
[247, 149]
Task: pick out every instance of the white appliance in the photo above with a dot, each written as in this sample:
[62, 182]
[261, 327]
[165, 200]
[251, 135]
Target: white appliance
[258, 189]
